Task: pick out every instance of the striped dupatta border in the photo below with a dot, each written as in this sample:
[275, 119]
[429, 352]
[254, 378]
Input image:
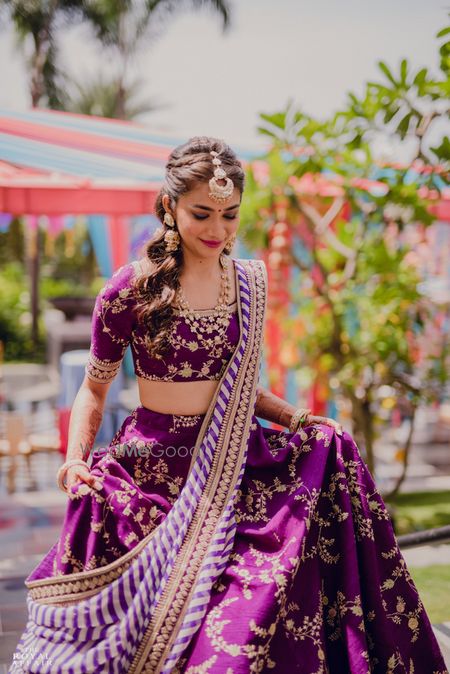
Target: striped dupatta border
[209, 541]
[145, 616]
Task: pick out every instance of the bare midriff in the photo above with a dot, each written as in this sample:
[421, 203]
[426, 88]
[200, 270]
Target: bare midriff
[172, 397]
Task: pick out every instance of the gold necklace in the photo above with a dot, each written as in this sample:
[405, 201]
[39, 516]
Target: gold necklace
[219, 317]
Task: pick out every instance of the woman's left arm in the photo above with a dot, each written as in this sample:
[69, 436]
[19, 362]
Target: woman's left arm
[276, 410]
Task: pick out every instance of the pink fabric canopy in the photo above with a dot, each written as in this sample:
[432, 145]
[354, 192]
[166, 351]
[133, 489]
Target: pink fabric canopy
[24, 191]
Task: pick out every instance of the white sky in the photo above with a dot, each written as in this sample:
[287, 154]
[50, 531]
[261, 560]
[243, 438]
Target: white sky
[313, 51]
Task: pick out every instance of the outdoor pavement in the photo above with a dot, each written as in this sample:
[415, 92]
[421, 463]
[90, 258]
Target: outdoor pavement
[30, 523]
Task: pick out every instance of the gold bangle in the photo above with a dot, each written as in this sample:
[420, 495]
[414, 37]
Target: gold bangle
[300, 415]
[61, 474]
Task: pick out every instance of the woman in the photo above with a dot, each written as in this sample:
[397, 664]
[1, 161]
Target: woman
[200, 541]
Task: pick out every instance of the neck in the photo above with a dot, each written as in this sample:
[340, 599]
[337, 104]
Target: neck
[201, 267]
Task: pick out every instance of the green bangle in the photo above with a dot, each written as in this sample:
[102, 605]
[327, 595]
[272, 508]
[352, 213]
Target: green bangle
[300, 415]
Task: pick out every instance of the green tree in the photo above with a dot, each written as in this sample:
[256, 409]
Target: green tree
[122, 27]
[100, 97]
[36, 23]
[326, 204]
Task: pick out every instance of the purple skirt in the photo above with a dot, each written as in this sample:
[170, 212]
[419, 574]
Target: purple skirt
[315, 582]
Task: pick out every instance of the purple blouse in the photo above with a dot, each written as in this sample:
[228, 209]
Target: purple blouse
[189, 357]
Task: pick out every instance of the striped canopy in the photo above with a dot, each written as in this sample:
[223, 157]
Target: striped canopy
[57, 162]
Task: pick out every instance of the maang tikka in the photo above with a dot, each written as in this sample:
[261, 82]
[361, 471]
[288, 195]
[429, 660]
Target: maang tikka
[219, 193]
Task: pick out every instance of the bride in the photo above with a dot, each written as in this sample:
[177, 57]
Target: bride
[199, 541]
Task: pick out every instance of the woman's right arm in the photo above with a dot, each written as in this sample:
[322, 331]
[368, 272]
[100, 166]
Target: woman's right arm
[112, 323]
[85, 419]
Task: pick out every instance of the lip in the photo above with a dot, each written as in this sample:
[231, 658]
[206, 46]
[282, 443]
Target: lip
[212, 244]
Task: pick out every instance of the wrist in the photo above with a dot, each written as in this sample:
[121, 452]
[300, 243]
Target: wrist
[80, 451]
[63, 470]
[298, 418]
[286, 414]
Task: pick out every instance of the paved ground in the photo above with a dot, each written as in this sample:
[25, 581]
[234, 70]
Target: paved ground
[30, 523]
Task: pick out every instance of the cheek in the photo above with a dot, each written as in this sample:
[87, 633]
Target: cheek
[188, 225]
[233, 225]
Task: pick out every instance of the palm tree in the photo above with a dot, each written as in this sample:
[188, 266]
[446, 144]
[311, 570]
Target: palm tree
[99, 97]
[122, 25]
[37, 21]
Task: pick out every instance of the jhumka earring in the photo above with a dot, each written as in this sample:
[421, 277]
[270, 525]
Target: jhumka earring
[219, 193]
[171, 237]
[229, 244]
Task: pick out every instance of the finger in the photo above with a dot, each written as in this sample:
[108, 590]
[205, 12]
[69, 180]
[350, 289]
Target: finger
[92, 481]
[320, 420]
[334, 424]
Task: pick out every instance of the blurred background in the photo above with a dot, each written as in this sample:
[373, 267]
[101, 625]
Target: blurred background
[339, 113]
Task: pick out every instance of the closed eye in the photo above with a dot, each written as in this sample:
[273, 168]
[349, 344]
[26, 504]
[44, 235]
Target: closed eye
[203, 217]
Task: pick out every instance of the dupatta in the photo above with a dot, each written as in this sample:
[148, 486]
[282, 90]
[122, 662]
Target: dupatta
[139, 613]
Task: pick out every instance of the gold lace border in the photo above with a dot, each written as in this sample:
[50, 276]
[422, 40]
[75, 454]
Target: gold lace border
[72, 587]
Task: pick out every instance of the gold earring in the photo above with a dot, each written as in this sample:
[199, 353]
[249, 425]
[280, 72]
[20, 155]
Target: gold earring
[168, 219]
[230, 243]
[172, 240]
[171, 237]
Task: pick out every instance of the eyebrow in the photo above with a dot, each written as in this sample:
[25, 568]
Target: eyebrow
[207, 208]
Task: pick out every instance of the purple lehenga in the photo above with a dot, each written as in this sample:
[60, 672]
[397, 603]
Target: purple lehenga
[217, 545]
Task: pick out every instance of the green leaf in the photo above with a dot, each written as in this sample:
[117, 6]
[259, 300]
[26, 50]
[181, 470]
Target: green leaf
[443, 32]
[442, 151]
[403, 126]
[390, 113]
[403, 71]
[278, 119]
[384, 69]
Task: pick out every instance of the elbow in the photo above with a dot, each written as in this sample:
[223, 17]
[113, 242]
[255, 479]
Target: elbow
[98, 390]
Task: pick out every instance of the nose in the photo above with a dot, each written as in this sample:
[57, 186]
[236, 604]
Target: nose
[216, 231]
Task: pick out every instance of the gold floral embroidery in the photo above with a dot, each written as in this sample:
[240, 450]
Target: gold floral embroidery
[93, 562]
[81, 489]
[115, 305]
[184, 421]
[310, 628]
[337, 609]
[157, 474]
[257, 498]
[401, 613]
[396, 660]
[104, 369]
[273, 572]
[185, 368]
[122, 495]
[257, 655]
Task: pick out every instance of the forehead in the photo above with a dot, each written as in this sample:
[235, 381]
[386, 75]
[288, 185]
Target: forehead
[199, 195]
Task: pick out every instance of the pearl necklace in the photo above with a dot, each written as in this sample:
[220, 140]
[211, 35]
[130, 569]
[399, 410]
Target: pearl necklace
[218, 319]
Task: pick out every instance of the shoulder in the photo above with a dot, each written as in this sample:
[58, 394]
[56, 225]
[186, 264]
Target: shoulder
[120, 284]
